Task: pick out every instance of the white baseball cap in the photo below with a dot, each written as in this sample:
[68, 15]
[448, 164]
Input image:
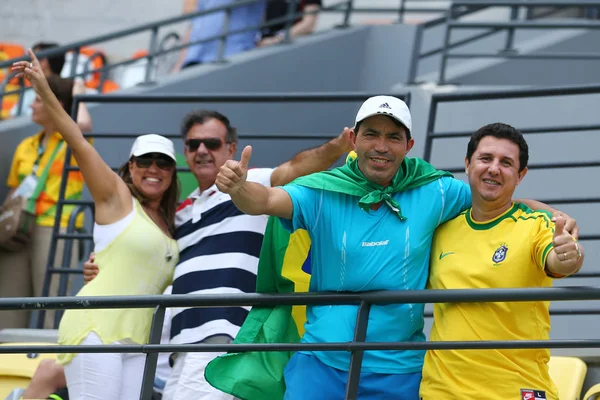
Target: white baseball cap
[152, 144]
[386, 105]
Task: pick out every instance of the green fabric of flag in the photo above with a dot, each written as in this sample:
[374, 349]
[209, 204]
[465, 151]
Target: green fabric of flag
[259, 375]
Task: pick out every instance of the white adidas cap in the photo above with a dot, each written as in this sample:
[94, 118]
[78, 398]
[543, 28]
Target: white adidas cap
[152, 144]
[385, 105]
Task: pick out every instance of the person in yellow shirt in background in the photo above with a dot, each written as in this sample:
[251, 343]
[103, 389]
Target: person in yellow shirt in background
[22, 272]
[496, 243]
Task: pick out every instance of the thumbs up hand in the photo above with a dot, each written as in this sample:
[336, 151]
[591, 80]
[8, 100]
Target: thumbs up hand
[233, 174]
[565, 245]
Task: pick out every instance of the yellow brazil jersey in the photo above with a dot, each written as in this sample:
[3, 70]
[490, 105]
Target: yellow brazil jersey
[22, 165]
[507, 252]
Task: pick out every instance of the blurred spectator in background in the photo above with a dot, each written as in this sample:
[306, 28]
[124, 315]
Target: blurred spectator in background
[22, 272]
[51, 66]
[213, 24]
[303, 25]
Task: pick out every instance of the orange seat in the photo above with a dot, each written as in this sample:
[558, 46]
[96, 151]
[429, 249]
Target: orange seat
[107, 86]
[8, 102]
[8, 51]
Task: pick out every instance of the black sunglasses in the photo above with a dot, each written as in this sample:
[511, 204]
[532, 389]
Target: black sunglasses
[209, 143]
[162, 162]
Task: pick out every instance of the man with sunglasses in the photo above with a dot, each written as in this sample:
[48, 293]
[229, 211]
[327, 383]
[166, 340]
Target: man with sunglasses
[219, 245]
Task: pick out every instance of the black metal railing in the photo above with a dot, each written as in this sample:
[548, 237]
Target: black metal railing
[433, 134]
[356, 347]
[65, 269]
[459, 12]
[458, 8]
[158, 46]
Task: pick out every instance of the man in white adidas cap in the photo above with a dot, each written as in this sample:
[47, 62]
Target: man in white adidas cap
[371, 223]
[369, 232]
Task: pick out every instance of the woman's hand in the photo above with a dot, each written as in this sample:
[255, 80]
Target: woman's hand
[32, 71]
[90, 269]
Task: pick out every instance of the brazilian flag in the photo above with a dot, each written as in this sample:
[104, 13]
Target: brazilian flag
[284, 267]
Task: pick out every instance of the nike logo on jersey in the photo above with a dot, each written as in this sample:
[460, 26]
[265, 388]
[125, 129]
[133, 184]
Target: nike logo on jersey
[442, 255]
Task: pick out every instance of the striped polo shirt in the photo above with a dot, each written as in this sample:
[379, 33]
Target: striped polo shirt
[219, 248]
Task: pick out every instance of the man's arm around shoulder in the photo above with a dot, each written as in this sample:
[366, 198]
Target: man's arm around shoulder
[313, 160]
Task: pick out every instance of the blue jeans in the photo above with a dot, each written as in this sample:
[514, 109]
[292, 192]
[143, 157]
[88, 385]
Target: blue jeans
[308, 378]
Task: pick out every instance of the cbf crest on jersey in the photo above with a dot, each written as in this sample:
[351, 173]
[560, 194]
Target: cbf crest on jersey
[500, 254]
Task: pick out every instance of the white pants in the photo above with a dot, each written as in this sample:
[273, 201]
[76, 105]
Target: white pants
[102, 376]
[187, 379]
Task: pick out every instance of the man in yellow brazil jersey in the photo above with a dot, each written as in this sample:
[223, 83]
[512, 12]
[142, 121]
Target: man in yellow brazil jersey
[497, 243]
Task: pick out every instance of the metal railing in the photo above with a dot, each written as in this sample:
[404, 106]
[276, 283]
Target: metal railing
[457, 13]
[70, 235]
[432, 134]
[158, 46]
[363, 300]
[458, 8]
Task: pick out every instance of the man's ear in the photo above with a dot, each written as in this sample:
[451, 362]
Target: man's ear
[522, 175]
[232, 148]
[466, 166]
[410, 144]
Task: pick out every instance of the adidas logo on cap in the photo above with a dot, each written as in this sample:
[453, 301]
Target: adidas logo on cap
[385, 105]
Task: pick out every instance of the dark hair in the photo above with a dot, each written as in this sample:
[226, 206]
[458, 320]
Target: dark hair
[56, 62]
[398, 124]
[203, 116]
[63, 90]
[168, 203]
[500, 131]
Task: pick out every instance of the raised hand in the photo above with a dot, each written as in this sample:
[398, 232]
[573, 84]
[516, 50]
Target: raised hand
[32, 71]
[90, 269]
[232, 174]
[565, 245]
[345, 140]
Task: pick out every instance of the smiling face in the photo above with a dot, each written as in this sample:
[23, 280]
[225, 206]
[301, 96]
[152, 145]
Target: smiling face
[148, 178]
[205, 162]
[381, 145]
[493, 172]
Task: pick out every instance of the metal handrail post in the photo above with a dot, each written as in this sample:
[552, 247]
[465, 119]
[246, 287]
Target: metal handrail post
[430, 128]
[402, 10]
[75, 60]
[67, 259]
[510, 33]
[413, 67]
[56, 227]
[158, 320]
[444, 53]
[356, 357]
[21, 95]
[151, 50]
[347, 13]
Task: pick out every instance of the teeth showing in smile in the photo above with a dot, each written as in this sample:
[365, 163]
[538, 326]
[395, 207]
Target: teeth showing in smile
[490, 182]
[378, 160]
[203, 162]
[152, 180]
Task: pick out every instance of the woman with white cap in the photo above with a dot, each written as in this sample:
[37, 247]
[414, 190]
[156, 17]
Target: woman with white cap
[134, 246]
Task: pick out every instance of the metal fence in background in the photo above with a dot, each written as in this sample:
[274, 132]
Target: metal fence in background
[170, 41]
